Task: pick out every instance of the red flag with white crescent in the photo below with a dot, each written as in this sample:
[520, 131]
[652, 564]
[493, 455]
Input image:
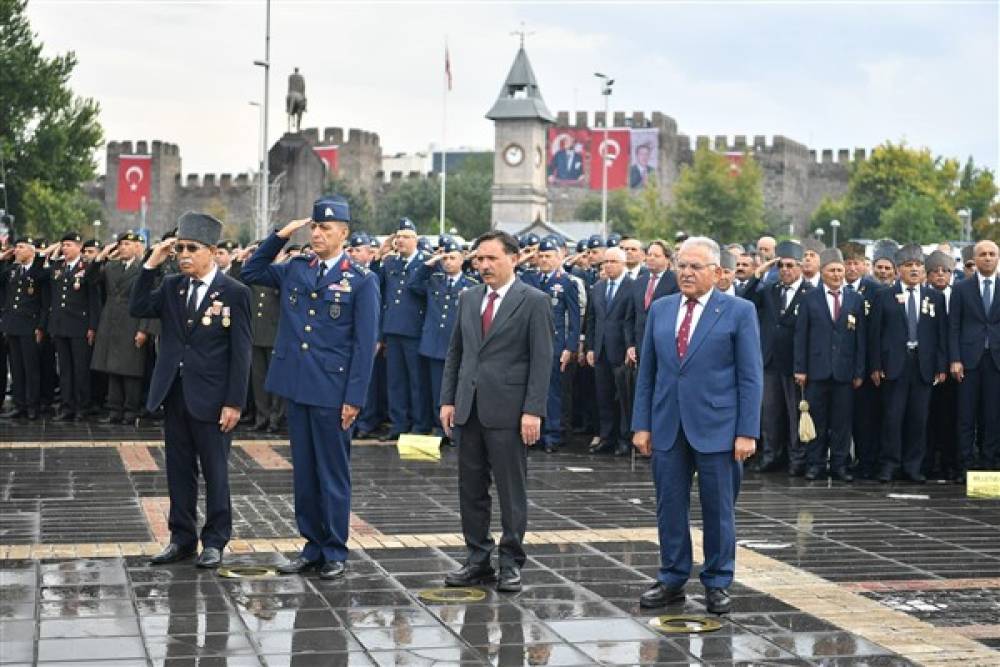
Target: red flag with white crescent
[616, 152]
[134, 175]
[330, 156]
[735, 161]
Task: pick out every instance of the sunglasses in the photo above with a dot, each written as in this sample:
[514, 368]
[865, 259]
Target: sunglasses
[970, 265]
[787, 265]
[189, 247]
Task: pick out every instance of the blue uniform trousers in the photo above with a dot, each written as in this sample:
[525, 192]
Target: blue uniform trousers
[552, 427]
[435, 369]
[719, 478]
[374, 412]
[190, 444]
[321, 458]
[407, 390]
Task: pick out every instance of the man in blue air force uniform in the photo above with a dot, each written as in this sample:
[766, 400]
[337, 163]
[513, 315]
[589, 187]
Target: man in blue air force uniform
[323, 363]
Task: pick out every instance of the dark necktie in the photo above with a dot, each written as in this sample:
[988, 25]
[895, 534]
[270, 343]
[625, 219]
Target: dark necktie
[650, 288]
[911, 316]
[611, 291]
[322, 271]
[491, 299]
[784, 297]
[451, 283]
[836, 303]
[848, 287]
[192, 302]
[987, 295]
[685, 331]
[544, 281]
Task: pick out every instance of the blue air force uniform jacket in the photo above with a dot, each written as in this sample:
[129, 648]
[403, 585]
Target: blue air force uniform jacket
[566, 311]
[441, 307]
[402, 309]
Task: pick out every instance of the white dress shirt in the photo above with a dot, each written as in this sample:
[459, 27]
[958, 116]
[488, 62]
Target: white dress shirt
[501, 293]
[203, 288]
[695, 315]
[993, 286]
[790, 292]
[633, 273]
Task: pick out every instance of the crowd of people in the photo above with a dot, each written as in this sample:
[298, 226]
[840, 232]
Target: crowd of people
[903, 386]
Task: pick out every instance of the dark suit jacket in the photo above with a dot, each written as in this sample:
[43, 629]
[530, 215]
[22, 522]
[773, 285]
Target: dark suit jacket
[828, 350]
[606, 322]
[26, 298]
[635, 319]
[887, 333]
[215, 358]
[970, 325]
[777, 328]
[512, 363]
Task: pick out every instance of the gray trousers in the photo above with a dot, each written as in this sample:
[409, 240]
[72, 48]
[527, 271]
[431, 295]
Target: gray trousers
[500, 455]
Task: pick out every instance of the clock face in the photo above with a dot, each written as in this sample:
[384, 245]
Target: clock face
[513, 155]
[538, 157]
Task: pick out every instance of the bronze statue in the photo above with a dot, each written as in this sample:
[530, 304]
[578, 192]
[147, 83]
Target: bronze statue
[295, 100]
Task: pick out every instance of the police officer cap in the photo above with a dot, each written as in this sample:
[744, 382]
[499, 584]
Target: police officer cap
[830, 256]
[531, 239]
[406, 225]
[30, 240]
[814, 245]
[548, 244]
[357, 240]
[556, 238]
[91, 243]
[228, 245]
[129, 235]
[373, 242]
[614, 239]
[911, 252]
[200, 227]
[939, 260]
[450, 245]
[72, 236]
[443, 240]
[595, 241]
[424, 244]
[885, 249]
[727, 260]
[331, 209]
[967, 255]
[789, 250]
[292, 247]
[852, 250]
[581, 245]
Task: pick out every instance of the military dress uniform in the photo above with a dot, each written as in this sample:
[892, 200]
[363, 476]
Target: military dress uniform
[323, 358]
[402, 323]
[25, 312]
[265, 302]
[376, 409]
[440, 292]
[75, 311]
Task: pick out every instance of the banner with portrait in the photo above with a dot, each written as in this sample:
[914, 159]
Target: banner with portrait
[567, 158]
[645, 157]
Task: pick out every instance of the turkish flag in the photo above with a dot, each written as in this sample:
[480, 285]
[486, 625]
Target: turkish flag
[330, 155]
[616, 151]
[735, 161]
[134, 175]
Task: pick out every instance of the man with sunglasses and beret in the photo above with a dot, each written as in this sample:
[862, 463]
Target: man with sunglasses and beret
[322, 365]
[941, 458]
[201, 376]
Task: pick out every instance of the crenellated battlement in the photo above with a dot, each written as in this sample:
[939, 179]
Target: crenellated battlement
[636, 119]
[334, 136]
[843, 156]
[213, 184]
[156, 148]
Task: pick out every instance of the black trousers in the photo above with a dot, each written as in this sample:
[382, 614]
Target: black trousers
[47, 367]
[830, 404]
[625, 377]
[866, 426]
[780, 422]
[585, 400]
[74, 373]
[3, 369]
[977, 401]
[942, 429]
[270, 408]
[124, 395]
[566, 381]
[192, 444]
[608, 405]
[500, 455]
[25, 371]
[904, 420]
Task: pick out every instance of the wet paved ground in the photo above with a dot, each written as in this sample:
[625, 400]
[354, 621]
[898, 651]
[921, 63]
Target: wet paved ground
[828, 574]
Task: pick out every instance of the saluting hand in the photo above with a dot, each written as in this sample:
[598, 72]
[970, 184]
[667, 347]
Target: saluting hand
[293, 226]
[161, 251]
[348, 413]
[229, 418]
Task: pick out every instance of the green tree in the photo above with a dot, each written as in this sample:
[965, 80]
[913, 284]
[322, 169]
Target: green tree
[651, 216]
[414, 198]
[621, 211]
[828, 209]
[988, 226]
[47, 134]
[711, 199]
[976, 190]
[468, 197]
[917, 218]
[359, 201]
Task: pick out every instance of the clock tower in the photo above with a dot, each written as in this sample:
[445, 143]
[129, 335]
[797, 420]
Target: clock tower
[521, 120]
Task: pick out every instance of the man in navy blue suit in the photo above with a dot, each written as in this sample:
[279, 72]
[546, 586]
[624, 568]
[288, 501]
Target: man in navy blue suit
[201, 377]
[697, 408]
[974, 345]
[908, 355]
[323, 363]
[606, 346]
[830, 364]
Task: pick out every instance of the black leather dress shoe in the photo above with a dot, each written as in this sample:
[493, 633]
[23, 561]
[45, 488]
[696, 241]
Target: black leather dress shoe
[717, 601]
[171, 554]
[603, 448]
[550, 448]
[332, 570]
[917, 478]
[211, 557]
[843, 475]
[796, 471]
[388, 437]
[623, 450]
[470, 575]
[15, 413]
[510, 580]
[260, 425]
[298, 565]
[111, 419]
[660, 595]
[64, 417]
[812, 474]
[885, 476]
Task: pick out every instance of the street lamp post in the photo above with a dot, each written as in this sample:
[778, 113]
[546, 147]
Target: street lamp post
[834, 226]
[265, 218]
[97, 230]
[965, 215]
[606, 84]
[260, 167]
[820, 233]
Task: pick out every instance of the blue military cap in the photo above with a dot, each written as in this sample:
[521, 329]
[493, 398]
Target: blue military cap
[331, 209]
[406, 225]
[373, 242]
[614, 239]
[357, 240]
[450, 245]
[581, 245]
[443, 240]
[424, 244]
[528, 240]
[547, 244]
[595, 241]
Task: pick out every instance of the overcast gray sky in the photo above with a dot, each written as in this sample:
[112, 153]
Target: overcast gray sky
[828, 74]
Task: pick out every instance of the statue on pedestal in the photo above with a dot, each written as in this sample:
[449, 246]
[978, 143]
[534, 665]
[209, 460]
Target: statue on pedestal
[295, 100]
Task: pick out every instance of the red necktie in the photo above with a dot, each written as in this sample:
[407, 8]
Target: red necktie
[650, 288]
[685, 331]
[836, 304]
[491, 299]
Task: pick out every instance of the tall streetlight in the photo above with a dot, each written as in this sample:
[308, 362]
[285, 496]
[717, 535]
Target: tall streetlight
[97, 230]
[834, 226]
[260, 163]
[265, 217]
[965, 215]
[606, 83]
[820, 233]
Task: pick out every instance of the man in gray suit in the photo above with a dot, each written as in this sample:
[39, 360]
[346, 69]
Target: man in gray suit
[502, 343]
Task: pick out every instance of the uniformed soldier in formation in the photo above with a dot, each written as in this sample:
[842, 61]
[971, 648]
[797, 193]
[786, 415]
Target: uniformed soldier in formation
[364, 250]
[941, 459]
[439, 281]
[75, 314]
[25, 282]
[402, 323]
[323, 363]
[908, 343]
[265, 305]
[830, 364]
[225, 253]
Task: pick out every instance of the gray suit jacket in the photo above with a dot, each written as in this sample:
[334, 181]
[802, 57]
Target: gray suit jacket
[512, 364]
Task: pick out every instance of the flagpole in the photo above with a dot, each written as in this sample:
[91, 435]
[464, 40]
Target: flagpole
[444, 133]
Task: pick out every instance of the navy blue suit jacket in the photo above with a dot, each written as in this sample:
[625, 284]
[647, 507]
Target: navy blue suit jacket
[402, 310]
[606, 322]
[828, 350]
[715, 392]
[777, 328]
[565, 299]
[635, 320]
[887, 333]
[970, 325]
[215, 357]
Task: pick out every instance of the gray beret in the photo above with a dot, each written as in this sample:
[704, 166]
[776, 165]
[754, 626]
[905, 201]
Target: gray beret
[939, 260]
[830, 256]
[727, 260]
[911, 252]
[814, 245]
[885, 249]
[789, 250]
[199, 227]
